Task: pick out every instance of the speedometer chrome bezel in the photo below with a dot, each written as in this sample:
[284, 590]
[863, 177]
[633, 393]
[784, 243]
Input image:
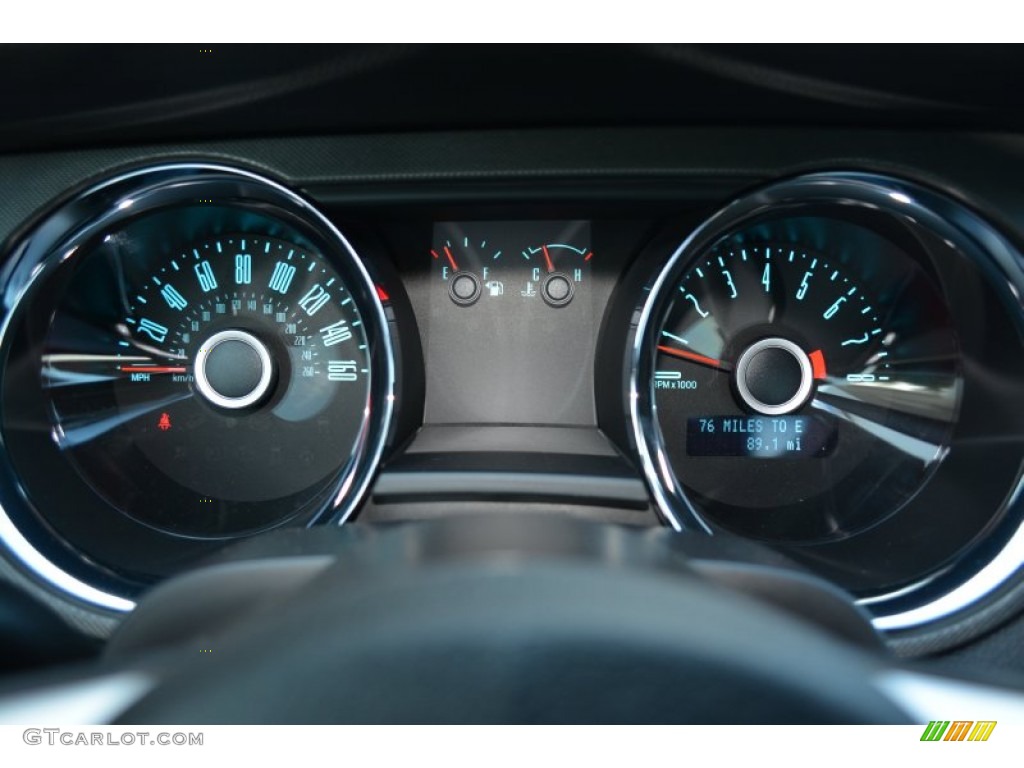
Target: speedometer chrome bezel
[940, 601]
[56, 236]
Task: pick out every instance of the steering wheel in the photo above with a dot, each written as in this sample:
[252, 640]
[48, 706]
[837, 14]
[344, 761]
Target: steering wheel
[501, 620]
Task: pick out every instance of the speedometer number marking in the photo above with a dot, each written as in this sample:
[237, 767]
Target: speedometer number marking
[342, 370]
[173, 297]
[335, 333]
[243, 269]
[314, 300]
[155, 331]
[281, 279]
[207, 280]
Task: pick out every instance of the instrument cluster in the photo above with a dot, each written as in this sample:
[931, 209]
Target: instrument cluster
[193, 353]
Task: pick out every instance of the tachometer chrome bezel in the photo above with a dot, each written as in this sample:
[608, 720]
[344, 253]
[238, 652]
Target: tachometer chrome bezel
[945, 599]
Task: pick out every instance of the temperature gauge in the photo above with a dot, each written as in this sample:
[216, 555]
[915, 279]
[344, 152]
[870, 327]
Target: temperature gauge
[558, 269]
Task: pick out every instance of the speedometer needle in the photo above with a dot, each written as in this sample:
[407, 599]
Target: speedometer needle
[153, 369]
[695, 358]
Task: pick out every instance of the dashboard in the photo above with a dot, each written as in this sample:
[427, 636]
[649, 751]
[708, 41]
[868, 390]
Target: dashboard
[805, 340]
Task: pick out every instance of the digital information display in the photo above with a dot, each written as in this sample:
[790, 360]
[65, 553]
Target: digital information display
[761, 437]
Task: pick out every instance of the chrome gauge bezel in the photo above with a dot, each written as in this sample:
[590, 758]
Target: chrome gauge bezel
[56, 564]
[991, 564]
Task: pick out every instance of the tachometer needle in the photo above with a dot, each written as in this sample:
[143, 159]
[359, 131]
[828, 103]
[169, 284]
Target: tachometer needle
[818, 364]
[695, 358]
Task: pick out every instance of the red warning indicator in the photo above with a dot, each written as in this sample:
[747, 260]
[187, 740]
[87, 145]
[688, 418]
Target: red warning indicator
[165, 422]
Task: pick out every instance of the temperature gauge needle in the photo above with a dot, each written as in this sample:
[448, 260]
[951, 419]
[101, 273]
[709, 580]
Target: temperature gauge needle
[547, 259]
[695, 358]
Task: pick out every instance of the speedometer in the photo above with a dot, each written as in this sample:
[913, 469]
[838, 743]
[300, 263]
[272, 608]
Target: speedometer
[229, 387]
[194, 354]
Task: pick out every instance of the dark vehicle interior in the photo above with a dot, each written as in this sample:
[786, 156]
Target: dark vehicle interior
[511, 384]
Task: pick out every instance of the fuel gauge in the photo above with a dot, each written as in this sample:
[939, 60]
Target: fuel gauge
[467, 266]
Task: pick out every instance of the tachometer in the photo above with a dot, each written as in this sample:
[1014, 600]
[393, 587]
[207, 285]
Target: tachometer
[830, 364]
[804, 373]
[784, 385]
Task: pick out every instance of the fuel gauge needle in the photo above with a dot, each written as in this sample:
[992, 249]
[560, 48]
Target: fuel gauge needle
[451, 259]
[448, 255]
[693, 357]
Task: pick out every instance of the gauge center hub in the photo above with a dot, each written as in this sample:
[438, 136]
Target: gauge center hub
[774, 376]
[233, 369]
[464, 288]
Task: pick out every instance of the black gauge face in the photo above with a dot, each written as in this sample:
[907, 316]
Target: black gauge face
[806, 379]
[225, 382]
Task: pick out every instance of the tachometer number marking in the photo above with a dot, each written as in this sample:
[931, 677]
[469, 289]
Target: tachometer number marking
[802, 290]
[728, 281]
[829, 313]
[696, 305]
